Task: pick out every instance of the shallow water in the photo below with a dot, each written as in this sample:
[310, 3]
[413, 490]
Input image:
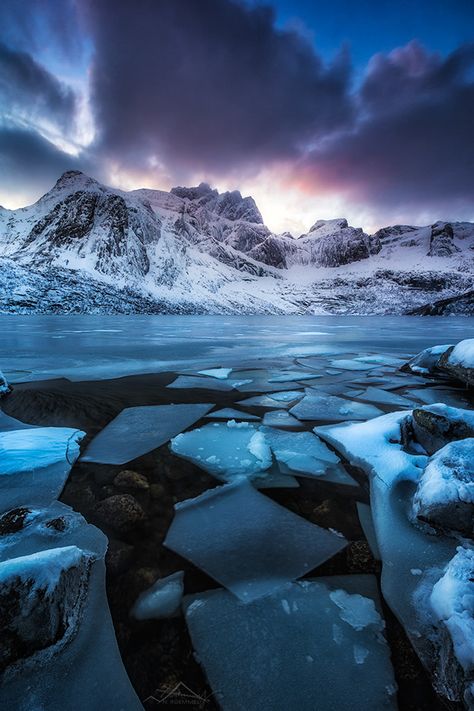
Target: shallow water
[94, 347]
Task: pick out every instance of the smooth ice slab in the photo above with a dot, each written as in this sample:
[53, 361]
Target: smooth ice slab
[288, 376]
[280, 418]
[263, 401]
[367, 524]
[35, 463]
[246, 541]
[352, 364]
[220, 373]
[385, 398]
[314, 644]
[380, 359]
[138, 430]
[189, 382]
[287, 395]
[229, 413]
[302, 452]
[7, 423]
[161, 600]
[432, 396]
[321, 406]
[225, 450]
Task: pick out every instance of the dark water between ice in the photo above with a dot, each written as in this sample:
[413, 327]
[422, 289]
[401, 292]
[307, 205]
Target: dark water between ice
[94, 347]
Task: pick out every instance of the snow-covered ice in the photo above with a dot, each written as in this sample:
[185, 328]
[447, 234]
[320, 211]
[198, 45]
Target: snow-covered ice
[246, 541]
[162, 599]
[293, 649]
[138, 430]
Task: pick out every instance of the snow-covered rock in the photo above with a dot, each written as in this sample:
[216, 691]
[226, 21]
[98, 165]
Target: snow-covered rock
[445, 494]
[85, 247]
[452, 603]
[426, 361]
[4, 387]
[459, 361]
[434, 426]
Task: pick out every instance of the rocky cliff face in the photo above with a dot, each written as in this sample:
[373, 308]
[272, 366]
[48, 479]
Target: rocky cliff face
[196, 249]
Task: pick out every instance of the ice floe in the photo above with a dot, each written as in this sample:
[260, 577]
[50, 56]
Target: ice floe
[323, 406]
[190, 382]
[280, 418]
[367, 524]
[220, 373]
[228, 413]
[138, 430]
[383, 397]
[295, 649]
[246, 541]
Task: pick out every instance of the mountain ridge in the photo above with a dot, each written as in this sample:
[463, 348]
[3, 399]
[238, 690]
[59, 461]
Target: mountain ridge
[197, 250]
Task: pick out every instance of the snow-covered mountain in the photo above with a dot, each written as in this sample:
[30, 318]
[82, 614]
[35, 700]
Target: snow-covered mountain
[85, 247]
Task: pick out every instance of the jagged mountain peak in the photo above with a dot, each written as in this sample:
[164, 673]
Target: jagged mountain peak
[328, 226]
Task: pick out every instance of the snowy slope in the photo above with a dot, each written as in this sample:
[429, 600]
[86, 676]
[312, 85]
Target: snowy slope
[85, 247]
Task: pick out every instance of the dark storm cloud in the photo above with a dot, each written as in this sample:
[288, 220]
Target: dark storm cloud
[209, 84]
[413, 143]
[27, 89]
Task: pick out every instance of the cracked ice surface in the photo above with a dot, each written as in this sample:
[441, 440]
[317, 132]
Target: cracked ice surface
[297, 648]
[246, 541]
[138, 430]
[35, 463]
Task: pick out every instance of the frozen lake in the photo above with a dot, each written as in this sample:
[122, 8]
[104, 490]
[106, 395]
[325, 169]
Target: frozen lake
[94, 347]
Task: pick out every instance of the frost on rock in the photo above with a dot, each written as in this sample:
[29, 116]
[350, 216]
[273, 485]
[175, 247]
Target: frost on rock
[58, 642]
[426, 361]
[35, 463]
[445, 494]
[138, 430]
[322, 406]
[161, 600]
[452, 603]
[292, 649]
[246, 541]
[436, 425]
[4, 387]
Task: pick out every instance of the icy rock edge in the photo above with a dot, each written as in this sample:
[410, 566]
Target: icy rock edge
[58, 646]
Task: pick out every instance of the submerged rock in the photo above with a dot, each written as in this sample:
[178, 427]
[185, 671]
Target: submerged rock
[121, 512]
[128, 479]
[444, 497]
[434, 426]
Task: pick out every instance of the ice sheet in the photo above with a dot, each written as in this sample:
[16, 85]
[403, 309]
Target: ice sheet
[229, 413]
[246, 541]
[138, 430]
[322, 406]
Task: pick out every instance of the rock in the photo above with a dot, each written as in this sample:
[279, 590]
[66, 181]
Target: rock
[13, 521]
[4, 387]
[157, 491]
[119, 557]
[427, 361]
[128, 479]
[452, 603]
[442, 240]
[458, 361]
[444, 497]
[434, 426]
[121, 512]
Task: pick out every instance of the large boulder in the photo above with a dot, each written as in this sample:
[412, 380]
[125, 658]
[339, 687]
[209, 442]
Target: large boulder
[459, 361]
[426, 361]
[434, 426]
[444, 497]
[4, 387]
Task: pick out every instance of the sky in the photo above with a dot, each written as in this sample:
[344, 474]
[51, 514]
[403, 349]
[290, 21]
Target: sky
[358, 109]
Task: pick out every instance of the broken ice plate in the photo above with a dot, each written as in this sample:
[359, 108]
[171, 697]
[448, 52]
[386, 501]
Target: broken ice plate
[280, 418]
[313, 644]
[138, 430]
[246, 541]
[189, 382]
[229, 413]
[322, 406]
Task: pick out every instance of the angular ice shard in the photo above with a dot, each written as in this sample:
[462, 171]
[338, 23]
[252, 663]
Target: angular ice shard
[380, 359]
[220, 373]
[433, 396]
[188, 382]
[302, 452]
[280, 418]
[228, 413]
[287, 395]
[367, 524]
[288, 376]
[385, 398]
[321, 406]
[314, 644]
[225, 450]
[263, 401]
[7, 423]
[162, 599]
[138, 430]
[445, 493]
[246, 541]
[352, 364]
[58, 643]
[35, 463]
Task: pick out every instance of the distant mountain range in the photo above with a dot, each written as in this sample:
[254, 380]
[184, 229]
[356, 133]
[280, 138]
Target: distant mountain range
[87, 248]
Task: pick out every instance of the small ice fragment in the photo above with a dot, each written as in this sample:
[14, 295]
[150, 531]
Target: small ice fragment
[162, 599]
[220, 373]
